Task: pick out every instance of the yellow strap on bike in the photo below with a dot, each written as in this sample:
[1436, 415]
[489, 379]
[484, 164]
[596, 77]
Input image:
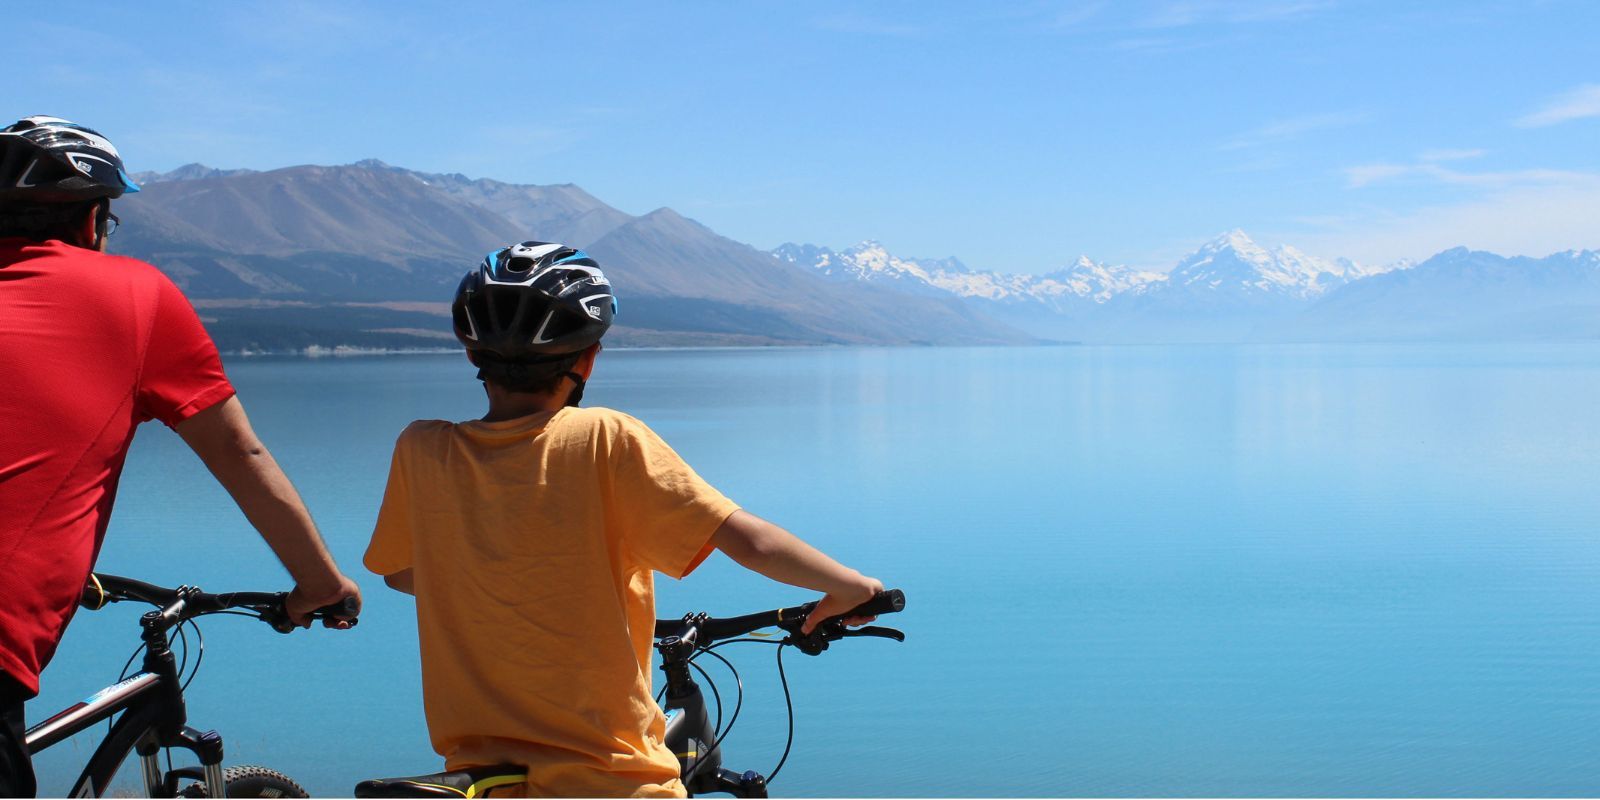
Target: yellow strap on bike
[100, 591]
[450, 789]
[480, 788]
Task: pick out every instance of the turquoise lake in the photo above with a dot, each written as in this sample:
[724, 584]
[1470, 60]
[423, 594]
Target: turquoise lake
[1216, 571]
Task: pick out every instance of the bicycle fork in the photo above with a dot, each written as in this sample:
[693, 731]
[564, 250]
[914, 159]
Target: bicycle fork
[206, 746]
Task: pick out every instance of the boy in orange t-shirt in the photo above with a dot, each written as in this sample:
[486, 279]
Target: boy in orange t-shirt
[531, 538]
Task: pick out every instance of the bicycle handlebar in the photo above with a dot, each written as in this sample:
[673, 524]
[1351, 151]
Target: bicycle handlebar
[711, 628]
[103, 589]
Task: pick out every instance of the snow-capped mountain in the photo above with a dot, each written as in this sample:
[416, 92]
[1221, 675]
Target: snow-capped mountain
[1092, 280]
[868, 262]
[1084, 282]
[1227, 269]
[1233, 264]
[1221, 292]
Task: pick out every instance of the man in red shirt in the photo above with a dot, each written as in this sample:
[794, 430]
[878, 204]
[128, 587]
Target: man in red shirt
[91, 345]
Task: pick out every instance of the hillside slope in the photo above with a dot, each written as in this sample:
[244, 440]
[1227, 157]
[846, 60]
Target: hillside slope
[368, 255]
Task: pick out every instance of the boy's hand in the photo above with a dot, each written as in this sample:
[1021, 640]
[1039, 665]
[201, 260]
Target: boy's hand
[840, 601]
[301, 602]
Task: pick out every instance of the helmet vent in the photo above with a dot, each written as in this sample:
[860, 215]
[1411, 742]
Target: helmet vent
[503, 307]
[563, 323]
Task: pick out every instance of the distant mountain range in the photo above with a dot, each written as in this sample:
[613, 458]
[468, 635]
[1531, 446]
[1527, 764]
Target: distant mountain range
[1232, 289]
[368, 254]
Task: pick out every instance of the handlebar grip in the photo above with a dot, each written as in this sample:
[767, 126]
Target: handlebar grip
[277, 615]
[346, 609]
[887, 602]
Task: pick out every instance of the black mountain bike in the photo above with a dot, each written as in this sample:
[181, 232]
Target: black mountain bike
[690, 733]
[153, 715]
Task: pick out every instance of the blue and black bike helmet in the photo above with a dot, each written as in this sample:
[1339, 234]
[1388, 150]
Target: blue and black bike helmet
[528, 310]
[47, 160]
[533, 302]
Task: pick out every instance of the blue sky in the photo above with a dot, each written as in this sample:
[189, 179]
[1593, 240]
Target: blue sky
[1014, 136]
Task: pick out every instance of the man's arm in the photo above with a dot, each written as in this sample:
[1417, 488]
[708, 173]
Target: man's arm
[222, 437]
[763, 547]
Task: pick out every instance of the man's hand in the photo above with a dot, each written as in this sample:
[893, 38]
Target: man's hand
[835, 603]
[301, 602]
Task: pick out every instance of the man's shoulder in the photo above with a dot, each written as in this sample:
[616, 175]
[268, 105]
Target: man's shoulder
[97, 266]
[118, 271]
[129, 264]
[106, 286]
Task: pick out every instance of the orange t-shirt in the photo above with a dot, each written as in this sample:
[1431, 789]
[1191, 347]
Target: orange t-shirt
[533, 544]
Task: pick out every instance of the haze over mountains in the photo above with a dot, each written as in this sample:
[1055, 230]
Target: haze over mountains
[368, 255]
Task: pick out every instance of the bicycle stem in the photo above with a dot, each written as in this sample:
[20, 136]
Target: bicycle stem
[172, 728]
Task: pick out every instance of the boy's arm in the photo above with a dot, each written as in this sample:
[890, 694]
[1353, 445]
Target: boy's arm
[763, 547]
[222, 437]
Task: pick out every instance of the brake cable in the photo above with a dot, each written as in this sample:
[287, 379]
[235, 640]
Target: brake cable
[183, 641]
[121, 676]
[198, 634]
[789, 703]
[788, 700]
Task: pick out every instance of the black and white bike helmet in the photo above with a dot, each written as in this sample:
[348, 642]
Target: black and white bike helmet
[532, 302]
[51, 160]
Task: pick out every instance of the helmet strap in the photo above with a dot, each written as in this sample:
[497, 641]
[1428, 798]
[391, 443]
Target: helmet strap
[577, 391]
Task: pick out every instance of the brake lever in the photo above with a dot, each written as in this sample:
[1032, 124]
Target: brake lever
[875, 630]
[817, 641]
[277, 615]
[811, 644]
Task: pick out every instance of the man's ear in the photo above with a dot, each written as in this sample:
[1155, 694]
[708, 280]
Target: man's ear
[88, 228]
[585, 364]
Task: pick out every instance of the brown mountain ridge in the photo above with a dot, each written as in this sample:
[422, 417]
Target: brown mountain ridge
[367, 254]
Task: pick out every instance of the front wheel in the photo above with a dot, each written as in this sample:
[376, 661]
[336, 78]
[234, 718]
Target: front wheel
[249, 781]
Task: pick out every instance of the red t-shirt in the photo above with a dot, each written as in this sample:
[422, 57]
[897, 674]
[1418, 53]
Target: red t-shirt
[91, 345]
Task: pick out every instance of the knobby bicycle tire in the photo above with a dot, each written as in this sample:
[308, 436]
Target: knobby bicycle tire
[249, 781]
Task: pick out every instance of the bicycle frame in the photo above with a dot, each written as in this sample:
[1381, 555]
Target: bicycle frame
[154, 716]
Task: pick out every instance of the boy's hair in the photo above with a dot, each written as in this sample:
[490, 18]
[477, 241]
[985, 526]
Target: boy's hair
[43, 221]
[530, 377]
